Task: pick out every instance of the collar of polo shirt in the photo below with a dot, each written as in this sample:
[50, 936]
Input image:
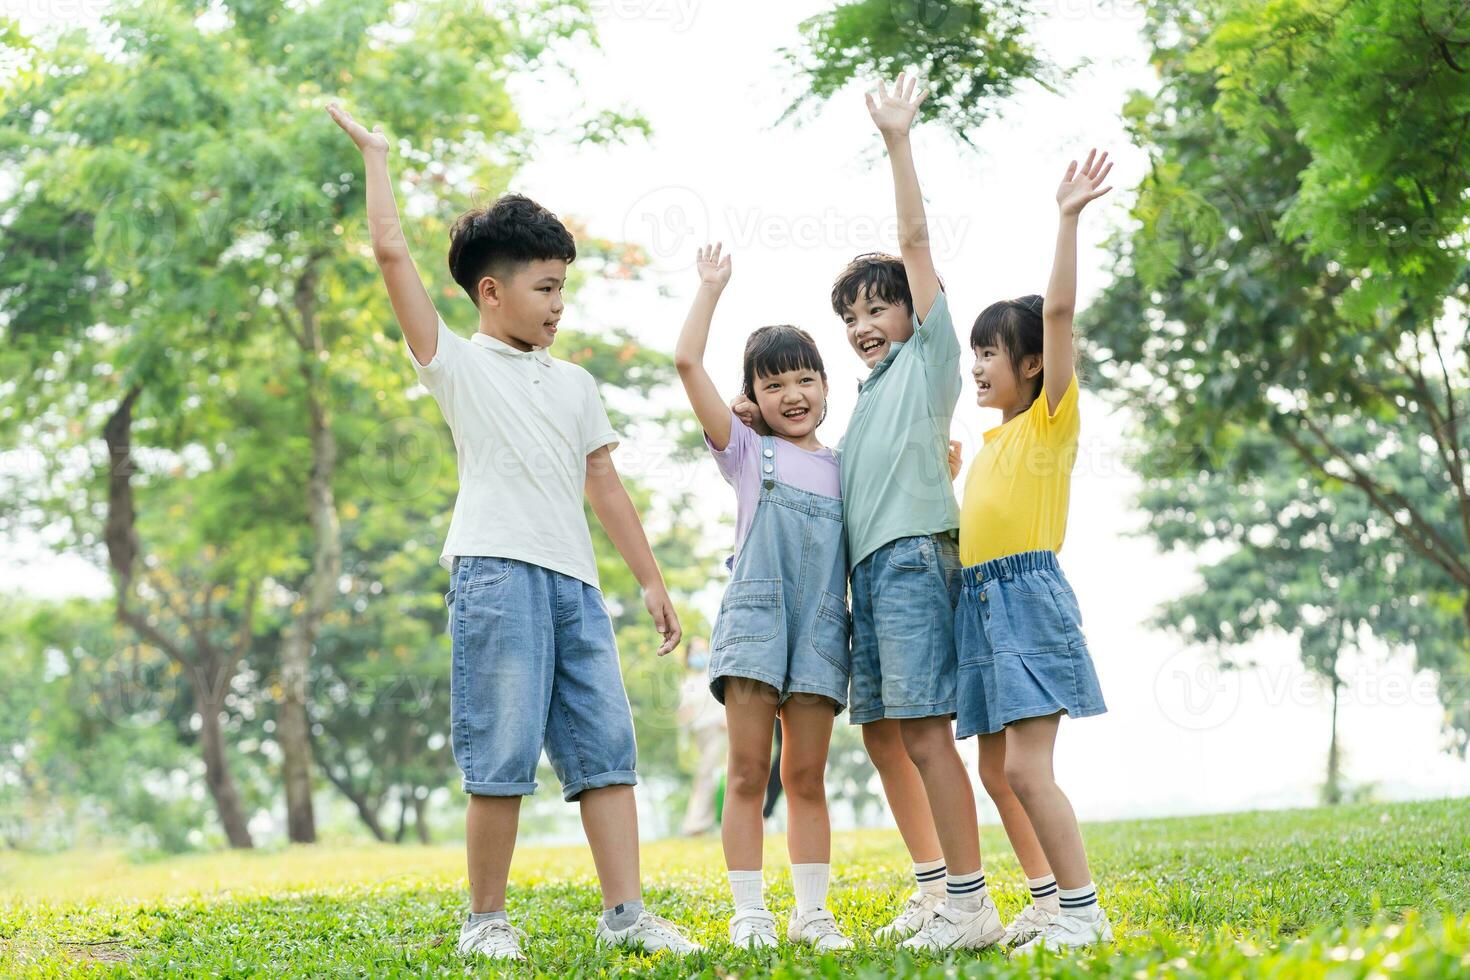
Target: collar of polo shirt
[500, 346]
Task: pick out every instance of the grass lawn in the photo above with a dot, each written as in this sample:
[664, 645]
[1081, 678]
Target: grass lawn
[1357, 891]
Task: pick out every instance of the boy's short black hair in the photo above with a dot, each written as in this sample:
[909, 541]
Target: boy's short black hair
[1015, 326]
[877, 274]
[778, 349]
[495, 240]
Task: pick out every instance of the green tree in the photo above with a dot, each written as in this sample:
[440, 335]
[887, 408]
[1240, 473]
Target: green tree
[972, 54]
[1255, 329]
[183, 275]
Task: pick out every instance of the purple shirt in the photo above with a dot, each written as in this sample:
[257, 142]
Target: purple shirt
[740, 465]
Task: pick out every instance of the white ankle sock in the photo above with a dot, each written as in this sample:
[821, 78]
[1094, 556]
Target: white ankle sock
[930, 876]
[965, 892]
[1044, 893]
[809, 882]
[1081, 902]
[747, 887]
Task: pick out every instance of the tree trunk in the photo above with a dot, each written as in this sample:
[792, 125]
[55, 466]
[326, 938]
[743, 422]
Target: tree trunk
[209, 674]
[1332, 789]
[402, 817]
[292, 718]
[217, 770]
[420, 811]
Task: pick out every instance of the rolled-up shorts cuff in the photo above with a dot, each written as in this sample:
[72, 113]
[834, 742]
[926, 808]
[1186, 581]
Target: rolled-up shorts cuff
[838, 698]
[717, 686]
[498, 789]
[617, 777]
[903, 711]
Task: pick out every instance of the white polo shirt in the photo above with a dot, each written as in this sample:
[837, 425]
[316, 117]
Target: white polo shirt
[523, 423]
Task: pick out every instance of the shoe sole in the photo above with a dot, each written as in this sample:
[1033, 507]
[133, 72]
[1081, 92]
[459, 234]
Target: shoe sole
[986, 941]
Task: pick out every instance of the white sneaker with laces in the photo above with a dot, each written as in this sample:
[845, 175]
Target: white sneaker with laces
[915, 916]
[817, 929]
[1026, 926]
[1072, 932]
[650, 933]
[495, 938]
[753, 929]
[954, 928]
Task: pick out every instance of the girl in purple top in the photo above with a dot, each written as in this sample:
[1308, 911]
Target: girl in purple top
[780, 644]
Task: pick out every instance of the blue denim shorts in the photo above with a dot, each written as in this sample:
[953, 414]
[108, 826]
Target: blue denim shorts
[535, 666]
[1021, 649]
[903, 650]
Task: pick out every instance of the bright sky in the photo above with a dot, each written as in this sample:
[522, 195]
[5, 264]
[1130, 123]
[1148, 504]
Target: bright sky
[794, 204]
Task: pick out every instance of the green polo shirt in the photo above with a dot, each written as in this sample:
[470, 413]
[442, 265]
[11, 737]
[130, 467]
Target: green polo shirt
[895, 455]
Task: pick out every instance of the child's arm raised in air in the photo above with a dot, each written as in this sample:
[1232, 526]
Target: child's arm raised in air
[1078, 188]
[709, 407]
[411, 304]
[893, 113]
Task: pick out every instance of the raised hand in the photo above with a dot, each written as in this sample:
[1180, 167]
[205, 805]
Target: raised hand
[712, 268]
[893, 112]
[367, 141]
[1080, 186]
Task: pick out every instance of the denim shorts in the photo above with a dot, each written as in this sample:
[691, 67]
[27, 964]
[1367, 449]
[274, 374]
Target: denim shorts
[1021, 649]
[783, 620]
[534, 666]
[903, 650]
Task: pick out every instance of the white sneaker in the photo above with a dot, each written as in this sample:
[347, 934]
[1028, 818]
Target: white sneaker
[817, 929]
[1026, 926]
[753, 929]
[1072, 932]
[953, 928]
[495, 938]
[650, 933]
[915, 916]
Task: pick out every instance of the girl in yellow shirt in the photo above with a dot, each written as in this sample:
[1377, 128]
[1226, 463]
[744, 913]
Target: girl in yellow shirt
[1023, 661]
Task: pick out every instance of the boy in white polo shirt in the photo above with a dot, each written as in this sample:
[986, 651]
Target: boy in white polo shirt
[535, 664]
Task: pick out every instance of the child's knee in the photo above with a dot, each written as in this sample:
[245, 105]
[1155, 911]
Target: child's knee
[803, 780]
[993, 778]
[1025, 777]
[884, 743]
[926, 742]
[747, 776]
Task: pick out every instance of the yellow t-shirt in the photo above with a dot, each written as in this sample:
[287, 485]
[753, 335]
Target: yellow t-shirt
[1020, 483]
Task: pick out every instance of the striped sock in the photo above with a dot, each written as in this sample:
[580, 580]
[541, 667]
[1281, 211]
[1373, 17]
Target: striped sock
[930, 876]
[1044, 893]
[965, 892]
[1081, 902]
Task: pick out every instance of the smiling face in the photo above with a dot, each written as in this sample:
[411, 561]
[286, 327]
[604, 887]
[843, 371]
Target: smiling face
[792, 402]
[874, 325]
[526, 306]
[998, 384]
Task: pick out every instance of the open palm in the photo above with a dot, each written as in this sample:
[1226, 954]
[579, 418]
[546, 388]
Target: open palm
[1080, 186]
[368, 141]
[713, 269]
[893, 112]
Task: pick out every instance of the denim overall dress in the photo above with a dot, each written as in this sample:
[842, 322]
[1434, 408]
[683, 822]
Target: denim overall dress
[783, 620]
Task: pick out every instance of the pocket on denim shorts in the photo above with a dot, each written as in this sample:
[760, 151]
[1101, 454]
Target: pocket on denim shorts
[484, 572]
[831, 631]
[749, 613]
[914, 554]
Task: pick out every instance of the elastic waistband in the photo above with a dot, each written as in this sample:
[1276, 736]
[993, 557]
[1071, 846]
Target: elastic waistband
[1010, 566]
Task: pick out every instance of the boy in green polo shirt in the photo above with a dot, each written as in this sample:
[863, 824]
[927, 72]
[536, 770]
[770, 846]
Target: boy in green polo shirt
[902, 540]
